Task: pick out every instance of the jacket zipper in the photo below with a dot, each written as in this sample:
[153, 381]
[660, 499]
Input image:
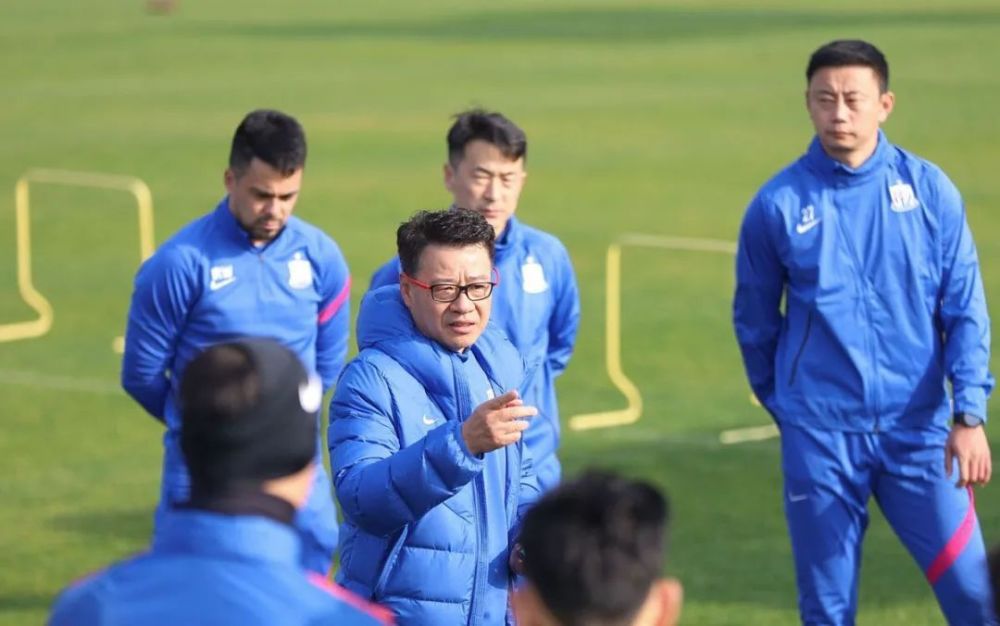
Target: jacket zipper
[390, 564]
[802, 348]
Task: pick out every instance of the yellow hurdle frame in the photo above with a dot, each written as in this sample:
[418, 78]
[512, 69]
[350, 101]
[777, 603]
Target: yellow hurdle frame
[612, 327]
[31, 296]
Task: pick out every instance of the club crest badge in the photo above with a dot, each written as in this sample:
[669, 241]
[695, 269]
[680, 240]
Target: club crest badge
[902, 198]
[300, 274]
[533, 276]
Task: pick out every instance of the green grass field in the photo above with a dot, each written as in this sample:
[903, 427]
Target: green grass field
[658, 117]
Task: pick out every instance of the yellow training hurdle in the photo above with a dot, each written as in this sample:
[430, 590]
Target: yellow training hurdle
[612, 327]
[31, 296]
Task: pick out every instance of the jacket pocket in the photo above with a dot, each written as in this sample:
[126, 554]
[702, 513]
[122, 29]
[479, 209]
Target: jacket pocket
[802, 348]
[389, 564]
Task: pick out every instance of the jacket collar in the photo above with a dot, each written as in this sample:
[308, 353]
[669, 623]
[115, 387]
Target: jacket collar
[245, 537]
[509, 238]
[226, 221]
[829, 168]
[384, 323]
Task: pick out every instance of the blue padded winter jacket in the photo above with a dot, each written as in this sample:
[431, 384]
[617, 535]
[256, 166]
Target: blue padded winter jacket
[428, 526]
[537, 304]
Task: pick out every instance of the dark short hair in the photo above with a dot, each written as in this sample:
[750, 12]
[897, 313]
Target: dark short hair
[491, 127]
[243, 417]
[271, 136]
[994, 560]
[450, 227]
[594, 546]
[845, 52]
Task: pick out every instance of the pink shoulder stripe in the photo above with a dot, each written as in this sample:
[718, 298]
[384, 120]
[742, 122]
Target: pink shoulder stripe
[950, 552]
[331, 309]
[380, 613]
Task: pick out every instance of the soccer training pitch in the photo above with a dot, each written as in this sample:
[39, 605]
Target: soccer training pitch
[658, 117]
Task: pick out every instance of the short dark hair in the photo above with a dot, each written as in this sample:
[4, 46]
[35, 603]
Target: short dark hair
[844, 52]
[244, 419]
[594, 546]
[994, 561]
[491, 127]
[271, 136]
[450, 227]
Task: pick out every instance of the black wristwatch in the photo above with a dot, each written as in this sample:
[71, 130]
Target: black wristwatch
[968, 419]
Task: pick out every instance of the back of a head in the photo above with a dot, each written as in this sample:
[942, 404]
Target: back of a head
[449, 227]
[491, 127]
[594, 547]
[248, 415]
[850, 52]
[272, 137]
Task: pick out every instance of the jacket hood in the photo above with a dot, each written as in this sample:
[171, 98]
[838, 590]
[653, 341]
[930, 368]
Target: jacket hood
[384, 323]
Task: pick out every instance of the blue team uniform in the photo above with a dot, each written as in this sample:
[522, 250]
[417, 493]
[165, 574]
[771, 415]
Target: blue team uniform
[537, 304]
[209, 284]
[427, 525]
[212, 568]
[884, 305]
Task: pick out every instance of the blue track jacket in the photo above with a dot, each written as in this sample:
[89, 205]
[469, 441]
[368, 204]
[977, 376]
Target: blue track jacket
[537, 304]
[209, 568]
[883, 296]
[209, 284]
[427, 525]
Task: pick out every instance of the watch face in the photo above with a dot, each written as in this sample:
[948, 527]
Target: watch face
[968, 420]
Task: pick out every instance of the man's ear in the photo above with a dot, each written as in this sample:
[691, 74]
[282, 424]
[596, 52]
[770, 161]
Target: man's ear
[668, 596]
[887, 101]
[449, 176]
[406, 291]
[229, 180]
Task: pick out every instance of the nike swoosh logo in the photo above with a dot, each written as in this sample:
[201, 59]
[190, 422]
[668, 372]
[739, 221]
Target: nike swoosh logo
[429, 421]
[216, 285]
[797, 497]
[805, 227]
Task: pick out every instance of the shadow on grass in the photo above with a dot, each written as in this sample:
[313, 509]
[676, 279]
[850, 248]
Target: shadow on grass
[645, 24]
[131, 525]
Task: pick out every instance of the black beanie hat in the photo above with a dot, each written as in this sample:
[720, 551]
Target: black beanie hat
[248, 414]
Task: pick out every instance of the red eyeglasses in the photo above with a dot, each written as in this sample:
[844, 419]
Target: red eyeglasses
[448, 292]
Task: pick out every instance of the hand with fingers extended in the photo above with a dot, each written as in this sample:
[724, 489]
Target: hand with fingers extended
[968, 446]
[497, 423]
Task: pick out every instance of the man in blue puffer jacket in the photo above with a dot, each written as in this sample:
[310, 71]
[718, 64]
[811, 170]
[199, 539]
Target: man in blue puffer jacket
[230, 555]
[425, 434]
[884, 306]
[537, 302]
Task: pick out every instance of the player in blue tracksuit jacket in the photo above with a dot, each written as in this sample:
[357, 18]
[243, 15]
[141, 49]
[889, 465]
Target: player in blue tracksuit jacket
[247, 269]
[537, 302]
[424, 436]
[230, 555]
[884, 306]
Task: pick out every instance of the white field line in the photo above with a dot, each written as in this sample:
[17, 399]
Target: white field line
[745, 435]
[57, 382]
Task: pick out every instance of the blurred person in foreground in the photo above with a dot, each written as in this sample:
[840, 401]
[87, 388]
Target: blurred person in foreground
[537, 303]
[593, 552]
[994, 560]
[884, 314]
[426, 425]
[248, 268]
[230, 555]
